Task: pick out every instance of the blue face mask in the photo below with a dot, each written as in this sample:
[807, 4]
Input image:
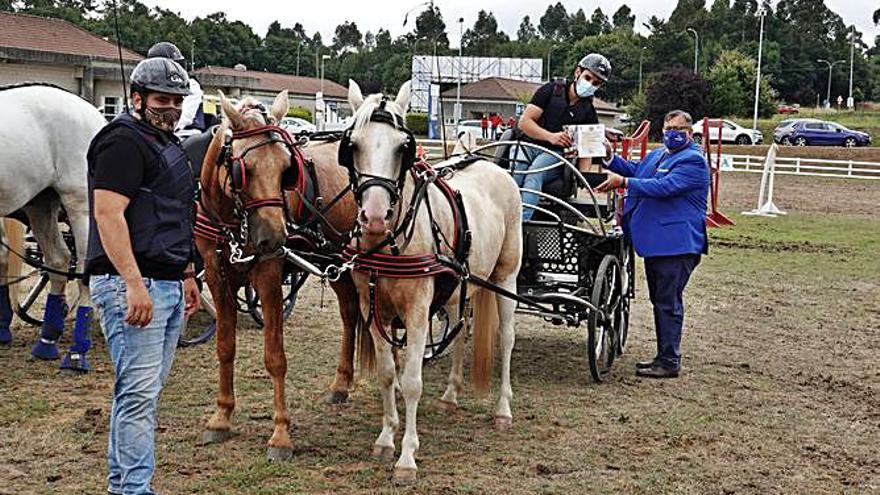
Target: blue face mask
[674, 139]
[584, 89]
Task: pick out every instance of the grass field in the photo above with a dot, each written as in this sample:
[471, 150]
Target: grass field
[780, 392]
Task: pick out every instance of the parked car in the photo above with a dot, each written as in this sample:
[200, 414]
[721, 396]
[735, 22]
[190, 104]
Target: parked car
[784, 109]
[821, 133]
[785, 127]
[296, 125]
[471, 127]
[731, 132]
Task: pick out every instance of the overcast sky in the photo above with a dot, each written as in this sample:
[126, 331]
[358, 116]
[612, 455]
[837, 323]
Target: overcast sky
[325, 15]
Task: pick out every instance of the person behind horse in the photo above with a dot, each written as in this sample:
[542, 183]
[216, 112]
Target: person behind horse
[496, 124]
[554, 105]
[139, 261]
[192, 114]
[484, 126]
[665, 217]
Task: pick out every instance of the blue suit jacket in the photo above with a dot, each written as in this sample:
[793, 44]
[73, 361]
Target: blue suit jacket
[665, 207]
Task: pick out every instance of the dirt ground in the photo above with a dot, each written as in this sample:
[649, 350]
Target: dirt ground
[780, 391]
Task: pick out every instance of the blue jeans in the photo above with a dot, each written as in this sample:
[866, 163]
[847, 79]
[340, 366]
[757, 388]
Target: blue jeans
[142, 360]
[667, 276]
[533, 159]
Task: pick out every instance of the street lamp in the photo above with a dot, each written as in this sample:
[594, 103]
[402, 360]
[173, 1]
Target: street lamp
[761, 13]
[549, 51]
[830, 67]
[696, 46]
[458, 90]
[323, 58]
[852, 47]
[641, 57]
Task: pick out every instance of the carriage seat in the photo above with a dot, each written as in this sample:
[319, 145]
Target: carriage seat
[196, 147]
[562, 187]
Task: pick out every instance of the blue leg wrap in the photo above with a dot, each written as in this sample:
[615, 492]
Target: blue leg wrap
[53, 325]
[75, 359]
[5, 316]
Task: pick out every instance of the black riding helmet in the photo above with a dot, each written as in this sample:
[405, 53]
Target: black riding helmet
[165, 49]
[597, 64]
[161, 75]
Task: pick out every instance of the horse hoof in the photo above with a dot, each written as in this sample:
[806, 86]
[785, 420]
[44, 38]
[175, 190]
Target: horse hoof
[279, 453]
[384, 453]
[215, 436]
[447, 406]
[503, 422]
[405, 476]
[336, 397]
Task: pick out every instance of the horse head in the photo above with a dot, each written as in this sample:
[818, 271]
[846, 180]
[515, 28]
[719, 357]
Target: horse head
[378, 150]
[257, 152]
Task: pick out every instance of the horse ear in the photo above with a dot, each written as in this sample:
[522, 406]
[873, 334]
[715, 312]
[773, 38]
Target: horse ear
[229, 111]
[355, 98]
[280, 106]
[403, 96]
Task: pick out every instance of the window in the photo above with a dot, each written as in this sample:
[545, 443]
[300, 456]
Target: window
[112, 106]
[814, 127]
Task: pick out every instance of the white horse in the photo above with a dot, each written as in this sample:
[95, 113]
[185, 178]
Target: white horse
[44, 136]
[492, 204]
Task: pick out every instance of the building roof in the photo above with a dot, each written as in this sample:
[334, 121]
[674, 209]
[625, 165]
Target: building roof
[43, 34]
[270, 81]
[499, 88]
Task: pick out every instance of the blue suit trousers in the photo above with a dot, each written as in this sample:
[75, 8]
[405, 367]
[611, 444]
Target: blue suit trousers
[667, 277]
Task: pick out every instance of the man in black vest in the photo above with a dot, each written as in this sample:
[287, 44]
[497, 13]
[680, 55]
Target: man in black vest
[139, 260]
[554, 105]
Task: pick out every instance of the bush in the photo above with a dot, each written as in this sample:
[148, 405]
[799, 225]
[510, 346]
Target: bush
[301, 112]
[417, 123]
[677, 89]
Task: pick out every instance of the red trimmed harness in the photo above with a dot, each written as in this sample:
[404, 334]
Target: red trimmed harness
[412, 266]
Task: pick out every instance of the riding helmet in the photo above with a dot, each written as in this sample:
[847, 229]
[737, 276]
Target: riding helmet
[161, 75]
[597, 64]
[166, 49]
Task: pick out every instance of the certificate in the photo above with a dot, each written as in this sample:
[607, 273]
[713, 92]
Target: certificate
[588, 140]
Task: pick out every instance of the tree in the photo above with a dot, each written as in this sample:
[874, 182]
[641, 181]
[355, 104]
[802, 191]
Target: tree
[599, 22]
[480, 39]
[430, 26]
[347, 36]
[677, 89]
[579, 27]
[553, 25]
[526, 32]
[732, 83]
[625, 19]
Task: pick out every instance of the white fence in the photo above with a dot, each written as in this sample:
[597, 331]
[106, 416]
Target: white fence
[817, 167]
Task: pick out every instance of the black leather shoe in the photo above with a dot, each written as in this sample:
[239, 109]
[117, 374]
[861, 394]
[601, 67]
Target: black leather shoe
[657, 371]
[643, 365]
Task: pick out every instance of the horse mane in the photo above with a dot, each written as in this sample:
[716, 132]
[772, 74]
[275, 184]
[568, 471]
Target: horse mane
[372, 103]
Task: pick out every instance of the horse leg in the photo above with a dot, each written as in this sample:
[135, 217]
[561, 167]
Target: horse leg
[6, 274]
[223, 289]
[43, 215]
[343, 382]
[383, 448]
[78, 217]
[506, 310]
[449, 400]
[411, 387]
[266, 279]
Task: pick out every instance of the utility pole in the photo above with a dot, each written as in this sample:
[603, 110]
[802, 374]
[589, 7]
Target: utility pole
[850, 103]
[830, 67]
[641, 57]
[192, 56]
[549, 52]
[298, 46]
[761, 14]
[458, 91]
[696, 46]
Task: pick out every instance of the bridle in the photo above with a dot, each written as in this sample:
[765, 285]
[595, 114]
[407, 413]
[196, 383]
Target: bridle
[393, 186]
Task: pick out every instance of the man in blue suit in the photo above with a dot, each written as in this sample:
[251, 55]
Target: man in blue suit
[665, 217]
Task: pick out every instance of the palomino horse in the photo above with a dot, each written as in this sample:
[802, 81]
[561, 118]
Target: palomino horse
[246, 184]
[380, 158]
[44, 135]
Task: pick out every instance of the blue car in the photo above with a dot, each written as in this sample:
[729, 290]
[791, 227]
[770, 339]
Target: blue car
[818, 133]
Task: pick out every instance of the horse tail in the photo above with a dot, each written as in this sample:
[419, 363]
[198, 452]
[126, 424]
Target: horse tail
[485, 327]
[365, 348]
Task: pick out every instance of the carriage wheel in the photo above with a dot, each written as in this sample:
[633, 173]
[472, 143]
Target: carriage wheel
[201, 326]
[601, 340]
[628, 278]
[289, 289]
[25, 307]
[438, 326]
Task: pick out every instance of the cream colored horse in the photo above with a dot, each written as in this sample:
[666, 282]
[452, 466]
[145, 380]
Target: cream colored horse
[492, 203]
